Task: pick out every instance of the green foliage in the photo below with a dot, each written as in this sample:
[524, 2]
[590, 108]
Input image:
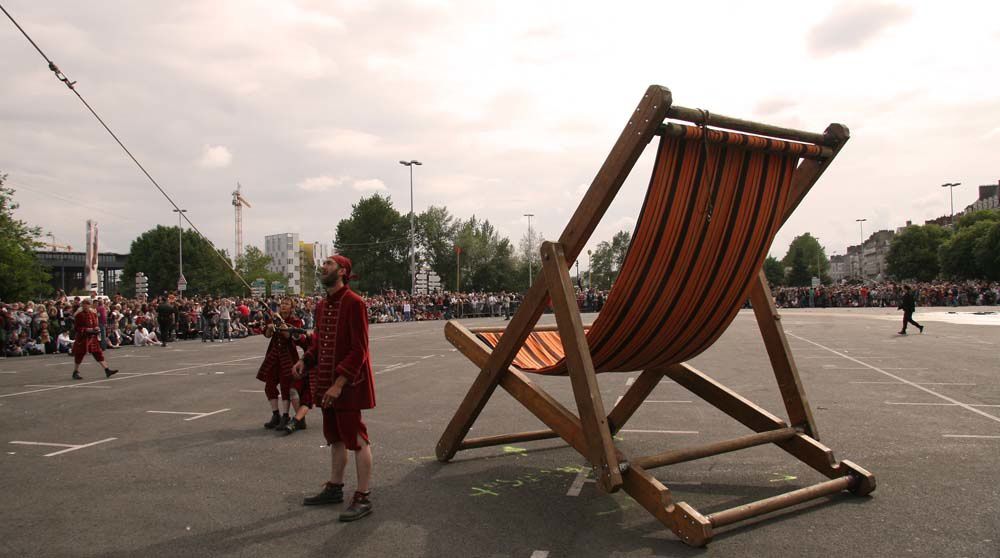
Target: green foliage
[253, 265]
[376, 239]
[436, 230]
[971, 219]
[155, 253]
[807, 259]
[774, 271]
[987, 253]
[957, 256]
[310, 277]
[487, 259]
[607, 259]
[913, 253]
[21, 276]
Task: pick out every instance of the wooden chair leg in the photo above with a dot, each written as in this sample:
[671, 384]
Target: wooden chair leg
[586, 391]
[785, 371]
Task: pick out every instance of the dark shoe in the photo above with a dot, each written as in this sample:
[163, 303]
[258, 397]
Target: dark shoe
[360, 507]
[273, 423]
[283, 422]
[109, 372]
[921, 329]
[331, 494]
[295, 424]
[77, 376]
[902, 333]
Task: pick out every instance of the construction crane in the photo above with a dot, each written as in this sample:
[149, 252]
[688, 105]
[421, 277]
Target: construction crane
[238, 202]
[54, 247]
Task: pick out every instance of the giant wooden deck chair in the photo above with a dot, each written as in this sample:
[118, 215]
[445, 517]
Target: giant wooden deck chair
[719, 192]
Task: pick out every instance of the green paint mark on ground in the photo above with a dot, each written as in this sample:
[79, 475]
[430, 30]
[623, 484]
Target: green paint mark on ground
[514, 449]
[476, 491]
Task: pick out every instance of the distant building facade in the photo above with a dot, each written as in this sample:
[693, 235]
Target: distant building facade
[283, 250]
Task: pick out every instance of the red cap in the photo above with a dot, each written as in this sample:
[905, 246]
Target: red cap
[344, 264]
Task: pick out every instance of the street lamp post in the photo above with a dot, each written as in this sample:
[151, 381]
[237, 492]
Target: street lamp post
[180, 246]
[861, 250]
[413, 236]
[590, 273]
[530, 276]
[951, 195]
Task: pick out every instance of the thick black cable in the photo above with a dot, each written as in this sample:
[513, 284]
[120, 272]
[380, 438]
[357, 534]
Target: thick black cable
[71, 85]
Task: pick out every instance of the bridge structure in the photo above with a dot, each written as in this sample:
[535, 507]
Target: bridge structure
[69, 273]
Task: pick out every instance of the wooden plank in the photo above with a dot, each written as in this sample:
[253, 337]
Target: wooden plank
[690, 454]
[633, 398]
[789, 383]
[690, 526]
[586, 391]
[809, 171]
[640, 129]
[697, 116]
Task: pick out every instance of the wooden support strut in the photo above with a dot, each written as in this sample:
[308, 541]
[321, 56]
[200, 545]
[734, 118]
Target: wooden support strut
[590, 407]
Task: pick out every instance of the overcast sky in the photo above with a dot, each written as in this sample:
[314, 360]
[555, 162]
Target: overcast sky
[511, 106]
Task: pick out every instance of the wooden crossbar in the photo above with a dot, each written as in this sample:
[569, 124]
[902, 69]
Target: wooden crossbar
[690, 454]
[780, 501]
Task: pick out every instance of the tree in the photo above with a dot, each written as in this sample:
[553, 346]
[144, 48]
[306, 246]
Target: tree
[987, 253]
[487, 259]
[155, 253]
[436, 242]
[811, 257]
[774, 271]
[607, 259]
[957, 256]
[376, 238]
[253, 265]
[310, 277]
[913, 253]
[529, 250]
[21, 276]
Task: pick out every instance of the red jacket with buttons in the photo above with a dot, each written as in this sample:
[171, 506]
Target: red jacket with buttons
[340, 348]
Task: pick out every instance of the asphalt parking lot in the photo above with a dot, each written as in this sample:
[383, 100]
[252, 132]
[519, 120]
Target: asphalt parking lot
[169, 457]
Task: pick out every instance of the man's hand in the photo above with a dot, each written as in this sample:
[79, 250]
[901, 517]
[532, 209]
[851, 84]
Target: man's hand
[297, 369]
[331, 394]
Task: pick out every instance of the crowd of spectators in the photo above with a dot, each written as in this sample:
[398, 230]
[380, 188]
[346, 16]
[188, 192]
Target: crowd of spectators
[887, 295]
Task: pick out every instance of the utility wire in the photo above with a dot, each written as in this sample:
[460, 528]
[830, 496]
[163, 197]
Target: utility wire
[72, 86]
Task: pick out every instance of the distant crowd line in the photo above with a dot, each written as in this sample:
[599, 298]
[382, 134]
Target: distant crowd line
[889, 295]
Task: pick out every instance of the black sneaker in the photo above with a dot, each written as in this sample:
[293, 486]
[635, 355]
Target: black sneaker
[109, 372]
[283, 422]
[331, 494]
[360, 507]
[295, 424]
[271, 424]
[921, 328]
[902, 333]
[77, 376]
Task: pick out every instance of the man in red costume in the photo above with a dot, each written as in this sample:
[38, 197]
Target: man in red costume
[87, 339]
[343, 384]
[276, 370]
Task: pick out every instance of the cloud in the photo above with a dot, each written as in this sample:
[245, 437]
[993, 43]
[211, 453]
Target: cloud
[852, 25]
[215, 157]
[368, 185]
[320, 183]
[768, 107]
[344, 142]
[326, 182]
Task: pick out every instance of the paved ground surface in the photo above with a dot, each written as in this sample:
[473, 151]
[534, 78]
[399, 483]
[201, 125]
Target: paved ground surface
[921, 412]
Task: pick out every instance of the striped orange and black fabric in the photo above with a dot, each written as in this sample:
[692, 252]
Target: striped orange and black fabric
[710, 214]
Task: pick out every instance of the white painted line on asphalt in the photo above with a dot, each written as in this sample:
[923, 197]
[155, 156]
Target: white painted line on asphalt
[581, 477]
[136, 375]
[69, 447]
[396, 367]
[630, 381]
[635, 431]
[905, 381]
[251, 391]
[176, 374]
[920, 383]
[939, 404]
[387, 365]
[7, 372]
[667, 401]
[60, 363]
[67, 385]
[540, 554]
[835, 367]
[195, 417]
[971, 436]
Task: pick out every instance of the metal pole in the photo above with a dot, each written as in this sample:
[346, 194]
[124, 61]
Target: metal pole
[530, 275]
[180, 242]
[861, 250]
[413, 234]
[951, 195]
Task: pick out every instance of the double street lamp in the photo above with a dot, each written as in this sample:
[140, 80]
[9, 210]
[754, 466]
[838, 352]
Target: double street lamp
[951, 194]
[180, 248]
[413, 237]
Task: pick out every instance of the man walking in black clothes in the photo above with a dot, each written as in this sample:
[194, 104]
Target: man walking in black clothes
[908, 306]
[165, 316]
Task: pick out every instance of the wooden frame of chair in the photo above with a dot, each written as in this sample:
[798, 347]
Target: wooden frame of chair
[591, 431]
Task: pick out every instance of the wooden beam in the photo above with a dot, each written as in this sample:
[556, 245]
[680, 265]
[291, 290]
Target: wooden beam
[633, 398]
[697, 116]
[586, 391]
[640, 129]
[789, 383]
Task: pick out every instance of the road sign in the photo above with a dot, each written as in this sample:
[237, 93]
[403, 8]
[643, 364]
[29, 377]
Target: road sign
[277, 288]
[182, 283]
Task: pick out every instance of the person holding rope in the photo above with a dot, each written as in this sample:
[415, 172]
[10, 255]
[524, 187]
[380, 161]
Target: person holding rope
[343, 384]
[285, 332]
[87, 339]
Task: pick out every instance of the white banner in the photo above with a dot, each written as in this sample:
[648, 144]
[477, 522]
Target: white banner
[90, 267]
